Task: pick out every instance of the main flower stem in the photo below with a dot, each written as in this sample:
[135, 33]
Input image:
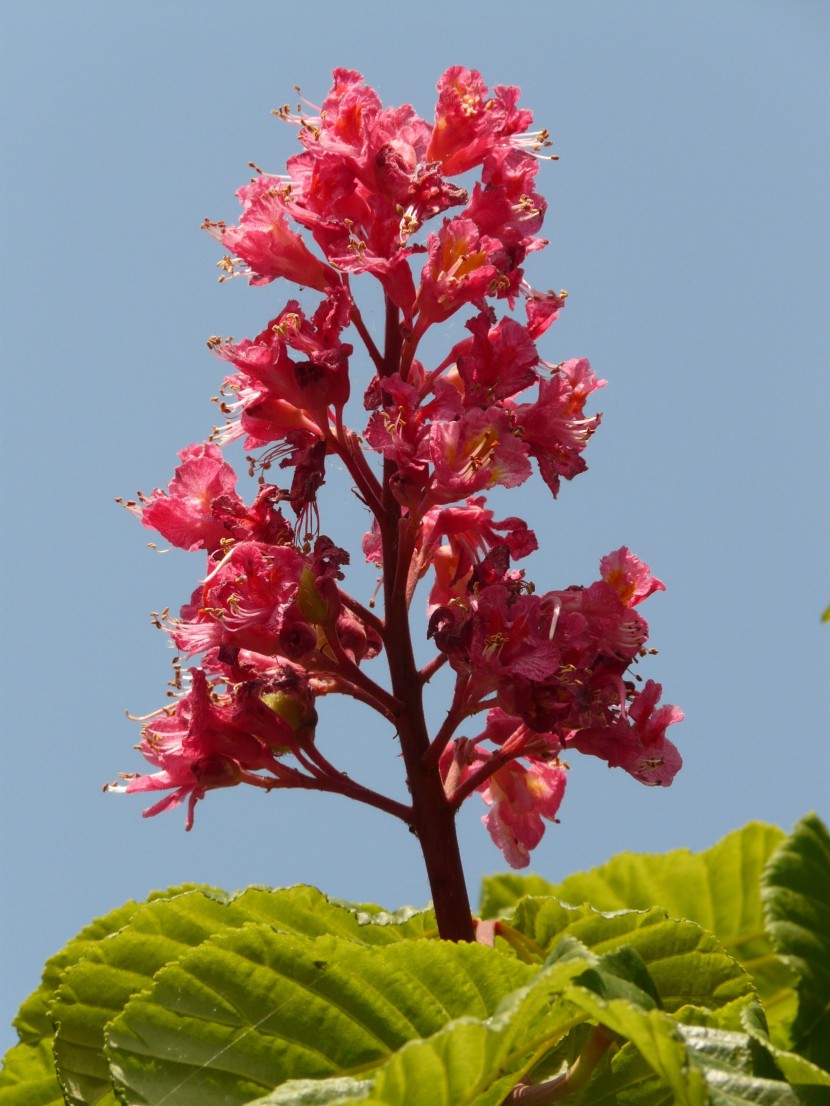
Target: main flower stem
[433, 818]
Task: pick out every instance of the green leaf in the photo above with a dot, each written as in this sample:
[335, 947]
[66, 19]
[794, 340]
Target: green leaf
[32, 1021]
[796, 893]
[250, 1009]
[499, 894]
[664, 1063]
[688, 966]
[476, 1063]
[725, 1060]
[719, 889]
[798, 1070]
[471, 1061]
[28, 1076]
[657, 1038]
[97, 988]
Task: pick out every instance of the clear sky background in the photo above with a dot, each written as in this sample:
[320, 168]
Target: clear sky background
[688, 219]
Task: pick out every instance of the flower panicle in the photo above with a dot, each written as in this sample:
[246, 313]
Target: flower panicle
[374, 191]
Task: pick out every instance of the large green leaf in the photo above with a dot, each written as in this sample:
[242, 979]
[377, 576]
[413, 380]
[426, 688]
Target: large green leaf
[688, 965]
[797, 904]
[469, 1062]
[719, 889]
[250, 1009]
[97, 988]
[722, 1058]
[477, 1063]
[32, 1021]
[28, 1076]
[812, 1082]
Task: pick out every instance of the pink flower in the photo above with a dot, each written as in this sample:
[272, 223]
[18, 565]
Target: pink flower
[462, 268]
[198, 748]
[201, 510]
[248, 601]
[554, 428]
[471, 532]
[469, 123]
[629, 576]
[520, 796]
[542, 309]
[261, 522]
[505, 203]
[498, 361]
[475, 452]
[397, 429]
[277, 394]
[604, 625]
[639, 743]
[183, 514]
[265, 242]
[511, 638]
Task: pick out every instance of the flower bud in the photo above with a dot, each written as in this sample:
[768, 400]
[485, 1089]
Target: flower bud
[295, 710]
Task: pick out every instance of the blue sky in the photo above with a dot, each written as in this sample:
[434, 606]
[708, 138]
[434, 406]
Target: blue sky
[688, 220]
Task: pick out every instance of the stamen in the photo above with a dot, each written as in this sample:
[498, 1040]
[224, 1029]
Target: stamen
[557, 604]
[533, 142]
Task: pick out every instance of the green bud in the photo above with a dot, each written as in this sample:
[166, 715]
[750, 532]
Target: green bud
[312, 605]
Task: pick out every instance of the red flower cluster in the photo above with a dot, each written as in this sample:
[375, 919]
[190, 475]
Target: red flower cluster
[270, 618]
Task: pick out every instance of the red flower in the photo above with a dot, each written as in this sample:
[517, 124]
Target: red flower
[520, 796]
[183, 514]
[198, 748]
[554, 428]
[638, 742]
[469, 123]
[201, 509]
[266, 243]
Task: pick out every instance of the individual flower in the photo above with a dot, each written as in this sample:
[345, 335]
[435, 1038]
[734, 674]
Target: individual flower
[464, 266]
[274, 393]
[197, 747]
[554, 428]
[629, 576]
[248, 600]
[184, 513]
[470, 122]
[471, 532]
[476, 451]
[520, 796]
[497, 362]
[202, 510]
[636, 741]
[265, 242]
